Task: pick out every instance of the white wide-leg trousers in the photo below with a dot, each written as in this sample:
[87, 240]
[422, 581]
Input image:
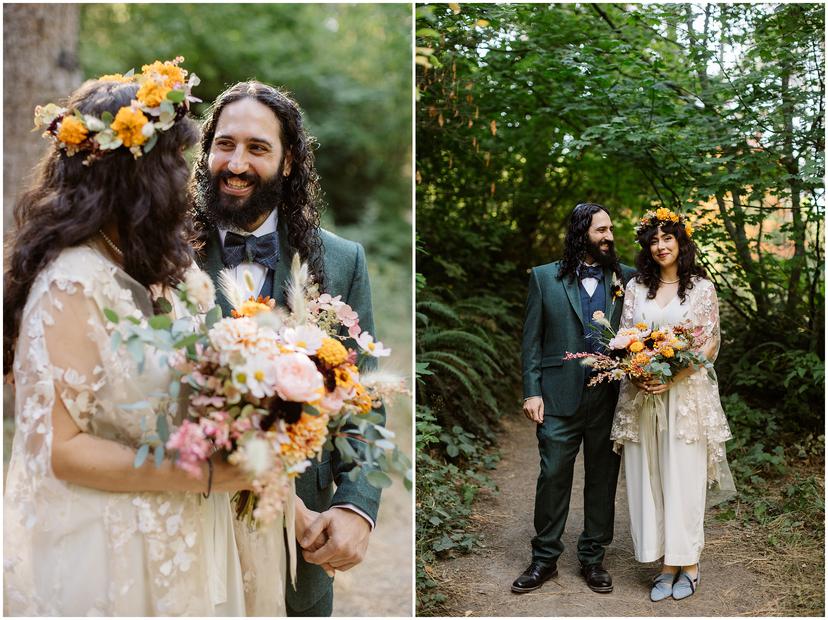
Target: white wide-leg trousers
[669, 522]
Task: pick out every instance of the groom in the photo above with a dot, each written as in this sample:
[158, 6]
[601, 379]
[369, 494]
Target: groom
[562, 299]
[256, 195]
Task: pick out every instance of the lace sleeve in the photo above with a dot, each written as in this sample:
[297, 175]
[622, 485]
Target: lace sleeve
[628, 312]
[72, 329]
[706, 316]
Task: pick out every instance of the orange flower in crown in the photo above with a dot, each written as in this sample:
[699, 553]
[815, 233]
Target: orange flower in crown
[660, 216]
[164, 95]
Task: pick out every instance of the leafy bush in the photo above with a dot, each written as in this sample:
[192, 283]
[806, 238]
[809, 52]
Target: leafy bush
[446, 488]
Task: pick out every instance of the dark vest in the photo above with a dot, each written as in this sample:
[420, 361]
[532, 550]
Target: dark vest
[592, 330]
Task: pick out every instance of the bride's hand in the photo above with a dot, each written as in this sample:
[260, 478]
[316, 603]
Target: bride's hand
[640, 382]
[655, 387]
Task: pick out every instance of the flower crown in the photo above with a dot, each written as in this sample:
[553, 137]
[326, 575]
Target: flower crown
[654, 218]
[163, 97]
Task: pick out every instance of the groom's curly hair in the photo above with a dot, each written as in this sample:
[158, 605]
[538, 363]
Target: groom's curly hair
[301, 203]
[575, 243]
[649, 273]
[68, 203]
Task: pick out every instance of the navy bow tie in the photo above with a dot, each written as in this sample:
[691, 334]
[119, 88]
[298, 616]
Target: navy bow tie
[591, 271]
[252, 249]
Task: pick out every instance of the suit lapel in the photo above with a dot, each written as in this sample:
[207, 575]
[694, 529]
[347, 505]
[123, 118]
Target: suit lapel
[608, 299]
[282, 272]
[213, 265]
[574, 294]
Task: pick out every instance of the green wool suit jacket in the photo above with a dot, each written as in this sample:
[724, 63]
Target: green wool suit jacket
[346, 274]
[553, 326]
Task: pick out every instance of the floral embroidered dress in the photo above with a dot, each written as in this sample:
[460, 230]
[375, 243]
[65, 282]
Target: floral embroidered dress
[74, 550]
[696, 410]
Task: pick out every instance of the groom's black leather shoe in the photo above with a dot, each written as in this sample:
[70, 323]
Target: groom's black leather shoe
[533, 577]
[597, 578]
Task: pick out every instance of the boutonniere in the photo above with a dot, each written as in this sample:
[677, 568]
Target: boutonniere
[616, 289]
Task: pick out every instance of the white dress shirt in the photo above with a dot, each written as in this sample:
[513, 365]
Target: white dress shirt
[257, 271]
[590, 284]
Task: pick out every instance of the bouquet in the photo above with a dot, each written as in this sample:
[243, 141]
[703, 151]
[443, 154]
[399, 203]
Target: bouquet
[644, 352]
[269, 388]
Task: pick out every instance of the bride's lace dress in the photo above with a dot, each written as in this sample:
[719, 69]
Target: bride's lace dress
[695, 400]
[73, 550]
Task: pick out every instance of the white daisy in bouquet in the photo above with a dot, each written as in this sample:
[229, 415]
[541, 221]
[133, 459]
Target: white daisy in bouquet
[271, 389]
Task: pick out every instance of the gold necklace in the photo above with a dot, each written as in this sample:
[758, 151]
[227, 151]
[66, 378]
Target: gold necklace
[670, 282]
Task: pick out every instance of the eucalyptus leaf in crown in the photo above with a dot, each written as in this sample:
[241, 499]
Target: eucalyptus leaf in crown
[269, 387]
[164, 95]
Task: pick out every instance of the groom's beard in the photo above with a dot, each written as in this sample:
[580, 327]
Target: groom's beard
[604, 258]
[226, 211]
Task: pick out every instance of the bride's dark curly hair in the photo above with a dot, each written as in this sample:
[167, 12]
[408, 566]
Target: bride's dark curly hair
[301, 204]
[68, 202]
[649, 272]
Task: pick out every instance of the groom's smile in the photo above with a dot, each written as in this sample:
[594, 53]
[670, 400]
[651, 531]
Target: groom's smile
[236, 186]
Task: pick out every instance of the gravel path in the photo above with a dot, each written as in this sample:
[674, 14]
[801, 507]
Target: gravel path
[478, 584]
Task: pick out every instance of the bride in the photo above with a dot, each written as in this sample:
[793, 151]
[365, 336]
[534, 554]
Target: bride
[672, 470]
[105, 227]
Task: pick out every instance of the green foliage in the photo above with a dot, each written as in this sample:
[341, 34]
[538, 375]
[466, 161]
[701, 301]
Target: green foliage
[446, 488]
[526, 110]
[717, 110]
[468, 348]
[349, 66]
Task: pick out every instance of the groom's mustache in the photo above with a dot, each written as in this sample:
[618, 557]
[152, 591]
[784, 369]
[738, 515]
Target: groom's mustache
[250, 177]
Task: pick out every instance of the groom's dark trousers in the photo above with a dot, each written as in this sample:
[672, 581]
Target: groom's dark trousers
[558, 320]
[559, 439]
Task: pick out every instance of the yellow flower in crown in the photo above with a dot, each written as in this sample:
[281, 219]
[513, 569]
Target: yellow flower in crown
[164, 96]
[129, 125]
[667, 352]
[152, 93]
[169, 70]
[688, 229]
[332, 353]
[636, 346]
[663, 213]
[116, 77]
[72, 131]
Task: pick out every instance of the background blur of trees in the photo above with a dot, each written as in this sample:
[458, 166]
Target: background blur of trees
[716, 110]
[349, 67]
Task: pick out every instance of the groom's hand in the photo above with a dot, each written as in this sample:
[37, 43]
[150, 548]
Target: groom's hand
[345, 534]
[533, 409]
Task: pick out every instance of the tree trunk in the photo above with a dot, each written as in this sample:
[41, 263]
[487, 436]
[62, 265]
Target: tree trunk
[791, 164]
[40, 65]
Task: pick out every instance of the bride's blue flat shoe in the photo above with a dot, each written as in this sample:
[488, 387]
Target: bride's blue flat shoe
[662, 587]
[686, 585]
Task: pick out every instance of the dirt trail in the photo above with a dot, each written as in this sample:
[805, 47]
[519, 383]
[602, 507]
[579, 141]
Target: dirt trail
[478, 584]
[383, 584]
